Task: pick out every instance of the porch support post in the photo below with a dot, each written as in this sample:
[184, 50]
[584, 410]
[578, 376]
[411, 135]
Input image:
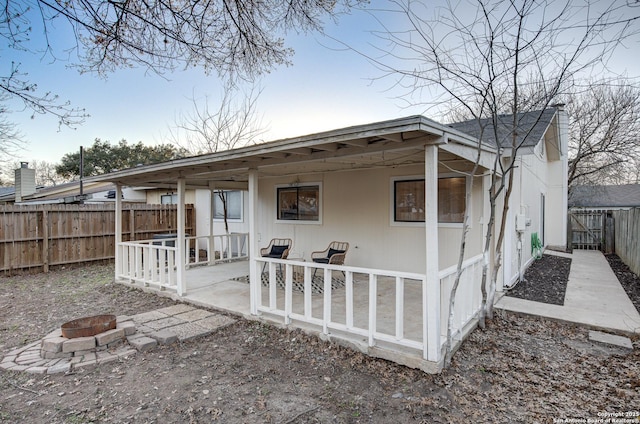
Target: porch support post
[118, 231]
[254, 275]
[211, 246]
[431, 294]
[181, 241]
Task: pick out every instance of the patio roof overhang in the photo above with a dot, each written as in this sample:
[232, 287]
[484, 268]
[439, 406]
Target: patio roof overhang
[396, 142]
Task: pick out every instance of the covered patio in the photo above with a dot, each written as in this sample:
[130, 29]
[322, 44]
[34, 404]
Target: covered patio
[390, 299]
[374, 313]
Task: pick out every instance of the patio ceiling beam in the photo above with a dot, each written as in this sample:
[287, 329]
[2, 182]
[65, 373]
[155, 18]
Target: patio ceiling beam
[470, 154]
[232, 185]
[397, 137]
[357, 143]
[332, 147]
[301, 151]
[275, 155]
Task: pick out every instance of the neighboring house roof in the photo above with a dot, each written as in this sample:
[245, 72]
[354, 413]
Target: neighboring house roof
[531, 128]
[602, 197]
[67, 193]
[5, 191]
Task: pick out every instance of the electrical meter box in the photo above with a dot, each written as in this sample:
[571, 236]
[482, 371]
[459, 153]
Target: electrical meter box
[521, 222]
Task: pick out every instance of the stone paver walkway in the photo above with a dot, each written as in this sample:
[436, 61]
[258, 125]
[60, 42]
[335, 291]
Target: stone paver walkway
[142, 332]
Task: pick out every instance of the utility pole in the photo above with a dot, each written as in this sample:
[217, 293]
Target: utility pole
[81, 174]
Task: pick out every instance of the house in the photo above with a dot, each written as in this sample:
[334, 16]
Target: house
[26, 191]
[396, 191]
[539, 199]
[609, 197]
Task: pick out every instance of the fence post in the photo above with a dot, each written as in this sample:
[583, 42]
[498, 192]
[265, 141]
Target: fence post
[609, 235]
[45, 240]
[569, 233]
[132, 223]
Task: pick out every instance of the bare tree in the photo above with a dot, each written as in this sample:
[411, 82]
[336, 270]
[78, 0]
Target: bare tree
[230, 124]
[489, 58]
[10, 138]
[604, 127]
[45, 172]
[234, 39]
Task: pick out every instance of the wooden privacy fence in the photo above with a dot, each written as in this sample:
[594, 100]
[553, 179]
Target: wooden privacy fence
[587, 229]
[627, 237]
[40, 236]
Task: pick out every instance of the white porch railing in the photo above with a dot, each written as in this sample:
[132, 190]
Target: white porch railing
[154, 262]
[150, 262]
[468, 296]
[214, 249]
[381, 307]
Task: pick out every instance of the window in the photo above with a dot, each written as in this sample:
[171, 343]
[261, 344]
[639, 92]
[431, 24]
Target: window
[299, 203]
[452, 199]
[233, 199]
[409, 200]
[169, 199]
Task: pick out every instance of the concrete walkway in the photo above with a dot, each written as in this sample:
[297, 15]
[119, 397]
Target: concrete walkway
[594, 297]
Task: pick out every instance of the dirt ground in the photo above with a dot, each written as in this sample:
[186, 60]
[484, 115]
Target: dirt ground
[544, 281]
[518, 369]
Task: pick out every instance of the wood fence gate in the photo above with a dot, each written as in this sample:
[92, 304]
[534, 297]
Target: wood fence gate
[591, 230]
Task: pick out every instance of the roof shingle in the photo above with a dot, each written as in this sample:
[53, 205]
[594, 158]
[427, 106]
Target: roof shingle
[611, 196]
[531, 128]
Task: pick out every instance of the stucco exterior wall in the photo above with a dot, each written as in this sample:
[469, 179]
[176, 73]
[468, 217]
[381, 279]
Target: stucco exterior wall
[538, 196]
[204, 221]
[153, 196]
[356, 206]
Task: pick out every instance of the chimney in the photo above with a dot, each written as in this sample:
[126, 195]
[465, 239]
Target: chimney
[25, 180]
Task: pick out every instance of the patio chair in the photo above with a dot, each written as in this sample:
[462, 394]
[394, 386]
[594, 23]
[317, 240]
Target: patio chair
[278, 248]
[334, 254]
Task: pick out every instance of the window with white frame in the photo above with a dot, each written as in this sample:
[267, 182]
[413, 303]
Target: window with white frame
[169, 199]
[299, 203]
[409, 200]
[233, 201]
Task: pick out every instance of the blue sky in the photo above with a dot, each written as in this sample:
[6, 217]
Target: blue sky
[323, 89]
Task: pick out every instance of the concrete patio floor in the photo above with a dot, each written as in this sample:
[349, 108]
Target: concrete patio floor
[218, 287]
[594, 297]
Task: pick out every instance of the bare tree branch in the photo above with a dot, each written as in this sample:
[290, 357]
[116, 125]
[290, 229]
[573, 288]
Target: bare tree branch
[232, 123]
[604, 124]
[234, 39]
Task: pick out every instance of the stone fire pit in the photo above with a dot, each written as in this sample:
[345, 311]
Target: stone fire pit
[85, 335]
[111, 339]
[88, 326]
